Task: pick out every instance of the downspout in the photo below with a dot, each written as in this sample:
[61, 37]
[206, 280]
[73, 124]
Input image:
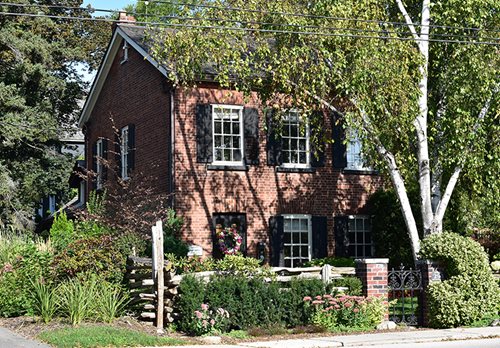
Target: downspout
[172, 148]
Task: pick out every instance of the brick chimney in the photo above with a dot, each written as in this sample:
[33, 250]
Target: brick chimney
[124, 18]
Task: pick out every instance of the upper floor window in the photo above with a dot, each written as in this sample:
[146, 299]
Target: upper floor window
[295, 141]
[227, 134]
[297, 240]
[99, 164]
[124, 151]
[355, 158]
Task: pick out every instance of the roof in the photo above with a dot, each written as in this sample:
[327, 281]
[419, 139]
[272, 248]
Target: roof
[135, 37]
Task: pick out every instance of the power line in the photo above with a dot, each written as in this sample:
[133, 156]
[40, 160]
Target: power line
[385, 31]
[312, 16]
[308, 33]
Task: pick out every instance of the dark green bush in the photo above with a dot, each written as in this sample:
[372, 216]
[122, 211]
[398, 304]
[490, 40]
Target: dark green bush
[191, 296]
[353, 283]
[296, 313]
[470, 291]
[91, 256]
[62, 231]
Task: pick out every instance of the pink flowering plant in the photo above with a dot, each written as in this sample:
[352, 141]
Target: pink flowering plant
[209, 322]
[344, 313]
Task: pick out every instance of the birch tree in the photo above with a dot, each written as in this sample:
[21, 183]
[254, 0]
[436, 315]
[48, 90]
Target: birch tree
[417, 80]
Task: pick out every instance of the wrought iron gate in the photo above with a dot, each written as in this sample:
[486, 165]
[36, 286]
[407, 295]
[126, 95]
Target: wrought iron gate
[405, 296]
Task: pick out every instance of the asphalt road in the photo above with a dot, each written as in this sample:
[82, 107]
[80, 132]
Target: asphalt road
[9, 339]
[481, 343]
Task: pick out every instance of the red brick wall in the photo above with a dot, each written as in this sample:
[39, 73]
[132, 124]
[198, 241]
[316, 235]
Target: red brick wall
[133, 94]
[260, 192]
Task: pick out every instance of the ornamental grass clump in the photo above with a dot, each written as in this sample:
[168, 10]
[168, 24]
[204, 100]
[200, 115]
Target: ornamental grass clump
[209, 322]
[46, 300]
[344, 312]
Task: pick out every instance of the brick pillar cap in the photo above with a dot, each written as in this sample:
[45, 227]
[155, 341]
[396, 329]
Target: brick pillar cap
[372, 260]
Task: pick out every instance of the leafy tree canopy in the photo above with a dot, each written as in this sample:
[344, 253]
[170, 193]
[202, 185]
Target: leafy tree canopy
[40, 91]
[425, 102]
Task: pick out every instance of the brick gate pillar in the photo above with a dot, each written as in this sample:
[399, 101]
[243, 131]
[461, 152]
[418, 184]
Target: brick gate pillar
[432, 271]
[373, 274]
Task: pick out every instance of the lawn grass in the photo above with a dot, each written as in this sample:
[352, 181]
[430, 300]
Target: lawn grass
[103, 336]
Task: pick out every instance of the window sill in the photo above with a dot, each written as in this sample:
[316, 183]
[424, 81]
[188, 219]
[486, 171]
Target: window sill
[360, 171]
[237, 168]
[295, 170]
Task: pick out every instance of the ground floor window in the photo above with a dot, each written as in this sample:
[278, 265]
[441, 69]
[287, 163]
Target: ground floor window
[297, 240]
[360, 236]
[228, 220]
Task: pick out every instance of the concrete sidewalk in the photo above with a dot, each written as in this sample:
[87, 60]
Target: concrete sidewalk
[9, 339]
[372, 339]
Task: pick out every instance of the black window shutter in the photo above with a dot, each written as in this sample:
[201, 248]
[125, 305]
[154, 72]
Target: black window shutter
[339, 148]
[341, 227]
[131, 148]
[251, 135]
[273, 145]
[276, 232]
[94, 166]
[319, 236]
[118, 155]
[317, 149]
[204, 133]
[104, 164]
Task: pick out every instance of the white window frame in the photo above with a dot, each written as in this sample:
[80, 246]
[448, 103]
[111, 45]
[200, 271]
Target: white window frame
[354, 152]
[299, 136]
[240, 116]
[291, 244]
[99, 155]
[362, 243]
[124, 152]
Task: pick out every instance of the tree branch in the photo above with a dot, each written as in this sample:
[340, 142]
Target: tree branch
[408, 20]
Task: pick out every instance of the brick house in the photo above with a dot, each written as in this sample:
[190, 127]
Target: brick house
[209, 149]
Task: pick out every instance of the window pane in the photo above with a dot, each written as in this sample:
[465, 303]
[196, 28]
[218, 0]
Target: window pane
[227, 155]
[295, 224]
[227, 141]
[304, 239]
[236, 142]
[296, 238]
[302, 157]
[368, 237]
[287, 238]
[217, 127]
[293, 144]
[368, 225]
[227, 128]
[360, 250]
[296, 251]
[359, 224]
[237, 155]
[359, 237]
[236, 128]
[287, 251]
[288, 224]
[302, 144]
[351, 225]
[288, 263]
[294, 131]
[218, 155]
[304, 252]
[286, 130]
[303, 224]
[218, 141]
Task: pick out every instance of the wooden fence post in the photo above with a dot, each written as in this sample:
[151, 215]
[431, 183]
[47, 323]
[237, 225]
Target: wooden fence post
[158, 272]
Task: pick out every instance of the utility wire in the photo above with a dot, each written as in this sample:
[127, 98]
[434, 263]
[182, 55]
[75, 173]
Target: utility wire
[309, 33]
[229, 8]
[385, 31]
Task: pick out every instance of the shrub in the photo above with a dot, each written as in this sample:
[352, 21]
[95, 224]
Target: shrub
[62, 231]
[22, 262]
[332, 261]
[45, 300]
[354, 285]
[243, 266]
[342, 312]
[298, 313]
[470, 292]
[95, 255]
[191, 297]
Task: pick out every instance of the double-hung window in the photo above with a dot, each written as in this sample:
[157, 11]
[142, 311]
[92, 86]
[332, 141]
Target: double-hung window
[124, 152]
[99, 165]
[297, 239]
[355, 158]
[227, 125]
[360, 236]
[295, 141]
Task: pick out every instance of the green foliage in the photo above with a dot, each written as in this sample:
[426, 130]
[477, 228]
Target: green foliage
[332, 261]
[94, 256]
[470, 291]
[242, 266]
[22, 262]
[388, 226]
[130, 243]
[172, 244]
[354, 285]
[103, 336]
[209, 321]
[46, 301]
[110, 302]
[62, 231]
[345, 313]
[191, 297]
[77, 299]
